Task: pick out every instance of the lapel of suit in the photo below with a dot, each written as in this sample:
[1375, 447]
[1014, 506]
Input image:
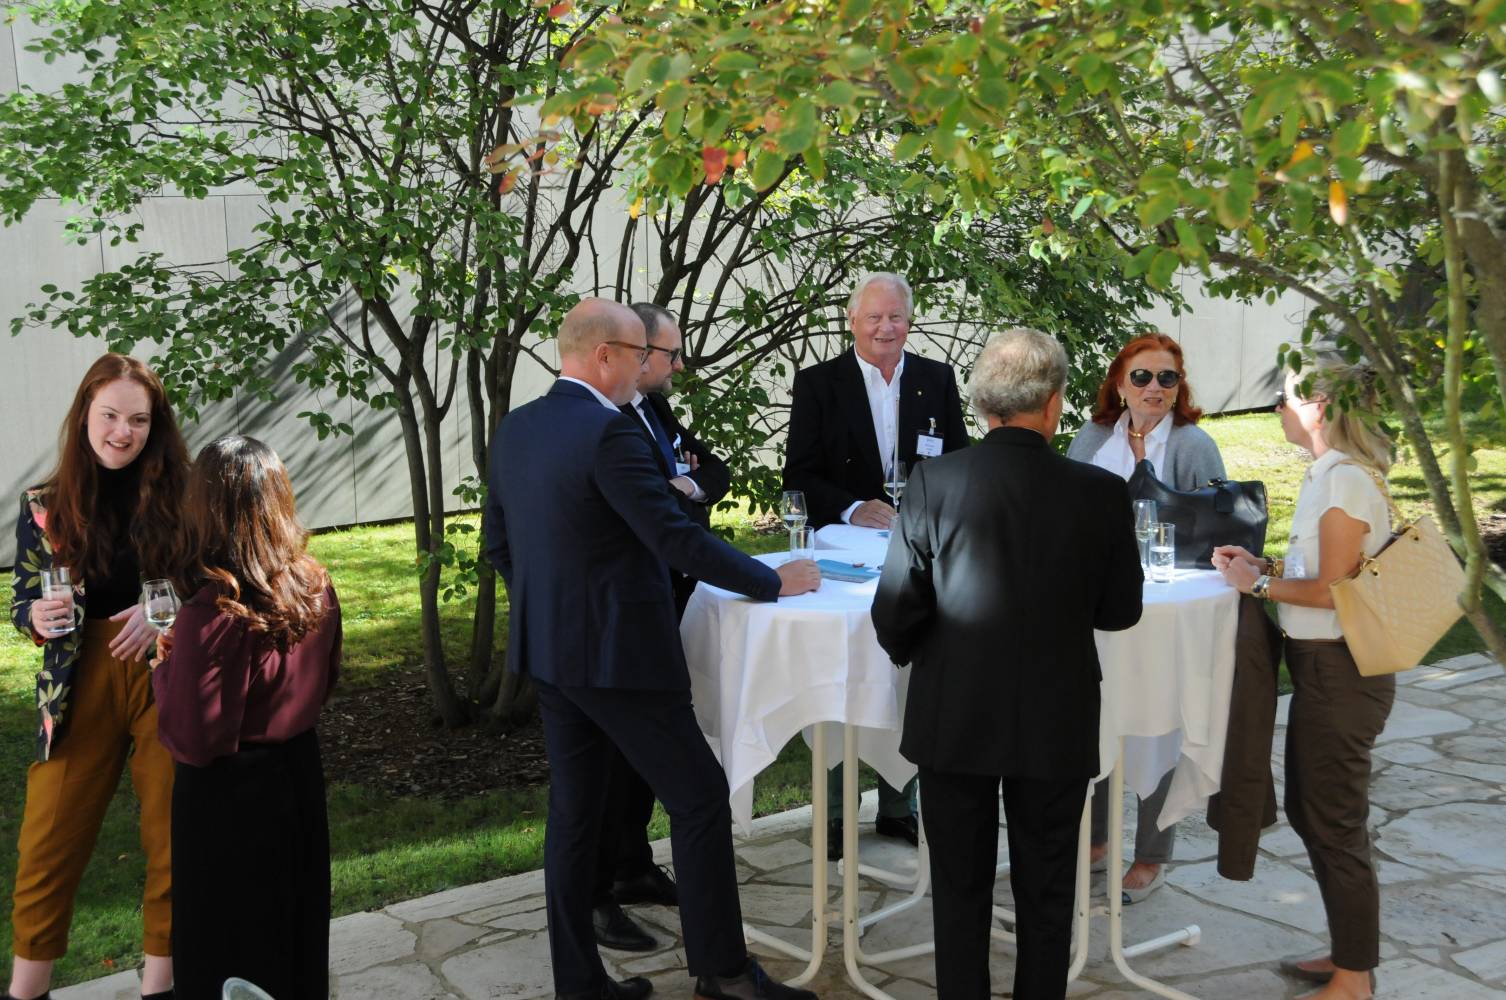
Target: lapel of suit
[852, 395]
[913, 414]
[632, 414]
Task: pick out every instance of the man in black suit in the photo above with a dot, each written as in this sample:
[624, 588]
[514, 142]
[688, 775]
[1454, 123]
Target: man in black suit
[626, 872]
[1007, 556]
[850, 418]
[582, 527]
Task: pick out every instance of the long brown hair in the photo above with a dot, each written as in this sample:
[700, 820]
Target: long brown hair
[79, 539]
[246, 539]
[1110, 407]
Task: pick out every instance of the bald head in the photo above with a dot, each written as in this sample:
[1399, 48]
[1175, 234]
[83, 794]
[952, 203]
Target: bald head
[593, 322]
[602, 342]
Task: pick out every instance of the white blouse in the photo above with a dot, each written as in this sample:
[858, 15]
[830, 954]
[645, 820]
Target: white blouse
[1329, 484]
[1116, 456]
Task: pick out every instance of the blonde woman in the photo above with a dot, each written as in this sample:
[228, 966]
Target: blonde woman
[1341, 517]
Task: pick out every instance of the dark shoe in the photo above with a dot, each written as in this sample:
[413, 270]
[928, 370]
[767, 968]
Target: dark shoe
[616, 930]
[1294, 967]
[628, 989]
[44, 996]
[899, 827]
[834, 840]
[652, 886]
[164, 995]
[751, 984]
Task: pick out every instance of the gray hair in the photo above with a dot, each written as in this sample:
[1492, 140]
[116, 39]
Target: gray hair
[896, 281]
[1016, 372]
[652, 315]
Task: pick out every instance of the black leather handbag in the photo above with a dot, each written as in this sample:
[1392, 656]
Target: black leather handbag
[1224, 512]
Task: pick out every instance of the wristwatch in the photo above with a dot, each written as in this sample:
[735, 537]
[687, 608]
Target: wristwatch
[1261, 588]
[1275, 567]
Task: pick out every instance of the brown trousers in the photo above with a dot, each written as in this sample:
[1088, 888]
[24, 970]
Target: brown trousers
[1335, 717]
[111, 710]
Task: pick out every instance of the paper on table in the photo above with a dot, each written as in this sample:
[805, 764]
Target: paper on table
[833, 570]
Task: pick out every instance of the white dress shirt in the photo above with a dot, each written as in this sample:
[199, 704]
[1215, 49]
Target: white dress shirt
[1328, 484]
[883, 406]
[1116, 455]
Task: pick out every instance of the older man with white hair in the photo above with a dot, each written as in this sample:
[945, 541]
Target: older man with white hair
[1007, 556]
[851, 419]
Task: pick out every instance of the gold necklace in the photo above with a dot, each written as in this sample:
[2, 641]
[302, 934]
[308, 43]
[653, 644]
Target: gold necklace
[1135, 434]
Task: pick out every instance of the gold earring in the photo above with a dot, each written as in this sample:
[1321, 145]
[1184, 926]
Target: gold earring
[1121, 400]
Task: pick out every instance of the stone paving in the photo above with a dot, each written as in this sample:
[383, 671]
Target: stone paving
[1439, 816]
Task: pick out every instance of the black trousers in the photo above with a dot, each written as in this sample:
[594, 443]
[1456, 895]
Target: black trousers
[657, 733]
[624, 850]
[251, 873]
[962, 830]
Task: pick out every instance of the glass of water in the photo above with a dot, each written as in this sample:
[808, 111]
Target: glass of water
[57, 585]
[1163, 551]
[802, 542]
[1145, 519]
[160, 603]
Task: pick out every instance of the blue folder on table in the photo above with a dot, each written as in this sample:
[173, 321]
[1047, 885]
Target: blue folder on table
[846, 572]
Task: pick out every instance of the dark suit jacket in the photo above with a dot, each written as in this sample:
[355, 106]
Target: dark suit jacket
[712, 475]
[1006, 558]
[832, 454]
[583, 527]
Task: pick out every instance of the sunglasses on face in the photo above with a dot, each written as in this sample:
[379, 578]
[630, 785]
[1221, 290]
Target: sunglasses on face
[1168, 379]
[675, 353]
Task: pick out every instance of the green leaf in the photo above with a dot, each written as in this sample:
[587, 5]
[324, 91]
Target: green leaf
[909, 146]
[1083, 204]
[1163, 267]
[839, 94]
[733, 61]
[1157, 209]
[766, 169]
[798, 128]
[1350, 138]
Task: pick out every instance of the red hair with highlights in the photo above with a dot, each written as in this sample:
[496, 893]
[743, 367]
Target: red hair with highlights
[1109, 407]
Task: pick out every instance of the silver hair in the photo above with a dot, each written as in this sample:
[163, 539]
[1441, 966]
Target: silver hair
[882, 278]
[1016, 372]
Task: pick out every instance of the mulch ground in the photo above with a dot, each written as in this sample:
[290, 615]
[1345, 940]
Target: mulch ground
[380, 737]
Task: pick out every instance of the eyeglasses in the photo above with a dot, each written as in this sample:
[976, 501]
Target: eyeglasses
[675, 353]
[1140, 378]
[642, 349]
[1281, 400]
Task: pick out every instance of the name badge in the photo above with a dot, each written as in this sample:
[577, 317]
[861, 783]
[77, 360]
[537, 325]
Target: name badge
[927, 446]
[682, 469]
[1296, 563]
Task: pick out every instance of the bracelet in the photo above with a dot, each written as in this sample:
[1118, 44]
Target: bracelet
[1261, 588]
[1275, 567]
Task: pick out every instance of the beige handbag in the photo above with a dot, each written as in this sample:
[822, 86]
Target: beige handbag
[1399, 602]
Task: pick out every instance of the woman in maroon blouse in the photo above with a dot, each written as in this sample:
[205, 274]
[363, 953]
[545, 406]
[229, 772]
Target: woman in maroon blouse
[244, 672]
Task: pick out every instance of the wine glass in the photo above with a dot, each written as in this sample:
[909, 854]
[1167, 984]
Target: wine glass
[1145, 520]
[160, 602]
[792, 509]
[894, 484]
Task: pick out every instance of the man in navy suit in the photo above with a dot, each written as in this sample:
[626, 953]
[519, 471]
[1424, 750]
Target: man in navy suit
[583, 528]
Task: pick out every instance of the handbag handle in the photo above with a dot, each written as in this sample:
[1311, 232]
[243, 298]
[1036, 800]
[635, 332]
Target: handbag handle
[1385, 491]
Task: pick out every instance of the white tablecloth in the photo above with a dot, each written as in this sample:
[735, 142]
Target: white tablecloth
[1166, 686]
[760, 672]
[870, 544]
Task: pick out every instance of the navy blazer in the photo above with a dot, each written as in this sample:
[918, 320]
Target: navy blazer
[583, 527]
[832, 452]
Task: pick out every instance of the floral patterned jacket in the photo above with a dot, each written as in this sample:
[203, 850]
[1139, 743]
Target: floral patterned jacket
[59, 654]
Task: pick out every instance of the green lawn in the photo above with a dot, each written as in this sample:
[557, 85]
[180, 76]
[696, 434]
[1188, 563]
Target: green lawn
[387, 847]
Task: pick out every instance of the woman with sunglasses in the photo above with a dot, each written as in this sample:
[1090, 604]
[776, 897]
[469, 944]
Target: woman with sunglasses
[1145, 411]
[1335, 716]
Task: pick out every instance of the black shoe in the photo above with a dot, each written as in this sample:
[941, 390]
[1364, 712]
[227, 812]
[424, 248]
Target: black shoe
[834, 840]
[616, 930]
[164, 995]
[44, 996]
[899, 827]
[655, 885]
[635, 988]
[750, 984]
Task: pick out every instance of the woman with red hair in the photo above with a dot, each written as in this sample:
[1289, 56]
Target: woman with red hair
[110, 514]
[1145, 412]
